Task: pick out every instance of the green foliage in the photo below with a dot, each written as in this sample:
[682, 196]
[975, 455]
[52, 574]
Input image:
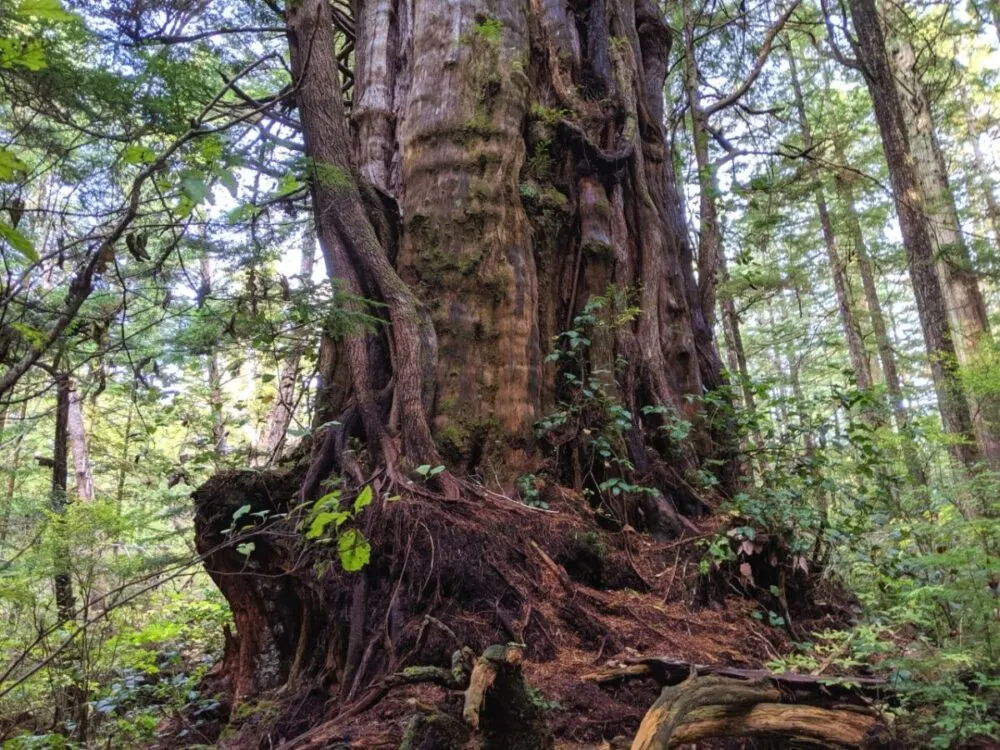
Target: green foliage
[528, 486]
[489, 29]
[353, 549]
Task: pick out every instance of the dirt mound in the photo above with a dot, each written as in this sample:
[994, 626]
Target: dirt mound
[314, 645]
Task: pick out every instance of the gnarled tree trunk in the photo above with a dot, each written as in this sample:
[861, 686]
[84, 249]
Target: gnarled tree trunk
[510, 158]
[502, 176]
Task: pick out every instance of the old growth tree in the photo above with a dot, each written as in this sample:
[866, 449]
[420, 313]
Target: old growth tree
[480, 430]
[502, 188]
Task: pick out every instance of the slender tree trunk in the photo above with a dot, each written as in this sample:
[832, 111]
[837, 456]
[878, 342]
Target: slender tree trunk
[917, 235]
[70, 698]
[709, 230]
[12, 468]
[63, 583]
[280, 416]
[123, 463]
[214, 375]
[983, 167]
[78, 446]
[735, 351]
[883, 343]
[860, 361]
[959, 284]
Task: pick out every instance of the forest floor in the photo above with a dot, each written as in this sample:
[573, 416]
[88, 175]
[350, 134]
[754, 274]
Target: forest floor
[588, 599]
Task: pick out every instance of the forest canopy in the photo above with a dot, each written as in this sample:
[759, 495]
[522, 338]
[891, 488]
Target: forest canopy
[511, 374]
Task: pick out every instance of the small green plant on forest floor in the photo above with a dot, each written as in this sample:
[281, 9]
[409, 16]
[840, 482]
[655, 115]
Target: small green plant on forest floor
[528, 486]
[538, 699]
[428, 472]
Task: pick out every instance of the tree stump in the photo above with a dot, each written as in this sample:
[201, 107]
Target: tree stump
[500, 707]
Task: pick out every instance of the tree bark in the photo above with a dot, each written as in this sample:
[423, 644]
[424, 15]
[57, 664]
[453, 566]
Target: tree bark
[883, 343]
[78, 446]
[520, 202]
[70, 703]
[917, 234]
[705, 707]
[507, 172]
[847, 307]
[280, 416]
[709, 231]
[959, 283]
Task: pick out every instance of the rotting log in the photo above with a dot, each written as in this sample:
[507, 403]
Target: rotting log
[704, 707]
[668, 671]
[701, 701]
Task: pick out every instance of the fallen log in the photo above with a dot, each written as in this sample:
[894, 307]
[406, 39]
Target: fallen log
[668, 671]
[701, 701]
[704, 707]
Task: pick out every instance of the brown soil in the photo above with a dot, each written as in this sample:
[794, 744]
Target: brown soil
[447, 574]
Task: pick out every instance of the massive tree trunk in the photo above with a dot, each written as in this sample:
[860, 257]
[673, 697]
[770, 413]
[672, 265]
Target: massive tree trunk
[503, 178]
[916, 230]
[523, 151]
[966, 311]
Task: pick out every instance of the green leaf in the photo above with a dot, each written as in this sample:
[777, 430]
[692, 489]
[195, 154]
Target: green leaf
[194, 187]
[18, 53]
[228, 180]
[355, 551]
[246, 548]
[363, 500]
[240, 512]
[424, 469]
[10, 165]
[138, 155]
[18, 242]
[322, 520]
[49, 10]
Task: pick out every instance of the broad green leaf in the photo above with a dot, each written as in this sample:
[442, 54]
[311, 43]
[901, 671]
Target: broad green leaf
[10, 165]
[135, 154]
[18, 242]
[355, 551]
[322, 520]
[240, 512]
[363, 499]
[194, 187]
[49, 10]
[246, 548]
